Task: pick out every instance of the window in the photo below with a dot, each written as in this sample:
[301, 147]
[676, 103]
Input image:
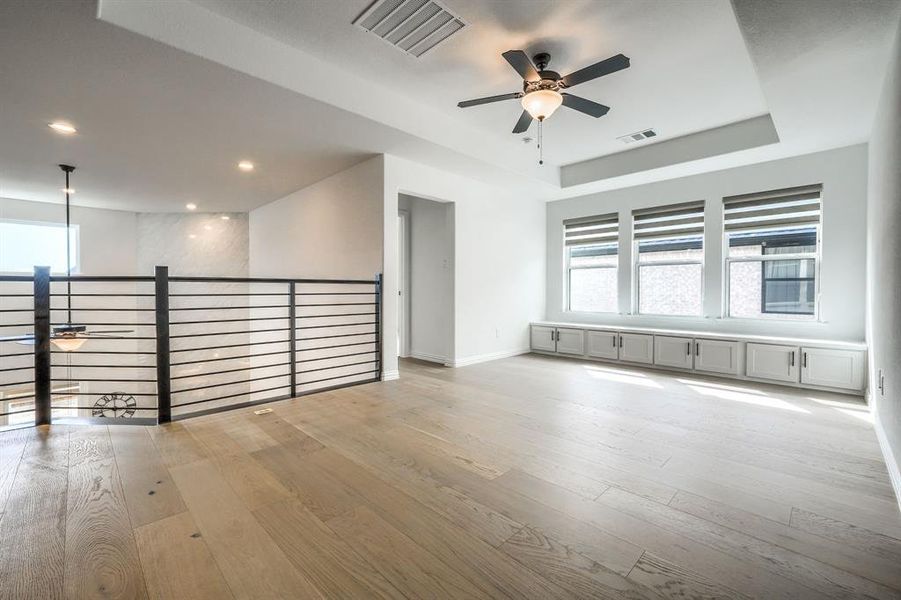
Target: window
[26, 244]
[592, 252]
[772, 255]
[669, 265]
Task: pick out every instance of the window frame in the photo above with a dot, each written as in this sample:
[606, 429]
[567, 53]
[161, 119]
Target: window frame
[636, 278]
[568, 269]
[75, 257]
[816, 256]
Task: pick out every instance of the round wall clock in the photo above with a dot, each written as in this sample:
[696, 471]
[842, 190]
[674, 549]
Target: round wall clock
[115, 405]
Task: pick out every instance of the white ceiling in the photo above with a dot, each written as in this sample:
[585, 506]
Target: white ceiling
[168, 96]
[676, 84]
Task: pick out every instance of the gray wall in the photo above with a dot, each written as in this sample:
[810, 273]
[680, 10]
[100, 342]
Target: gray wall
[884, 262]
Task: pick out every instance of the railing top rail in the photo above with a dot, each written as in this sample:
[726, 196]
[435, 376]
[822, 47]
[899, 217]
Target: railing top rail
[268, 280]
[101, 278]
[16, 277]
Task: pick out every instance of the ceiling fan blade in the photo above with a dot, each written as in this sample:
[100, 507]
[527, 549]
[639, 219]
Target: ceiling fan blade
[488, 99]
[520, 61]
[27, 339]
[605, 67]
[101, 333]
[525, 119]
[584, 106]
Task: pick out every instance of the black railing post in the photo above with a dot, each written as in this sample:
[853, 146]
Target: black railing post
[163, 382]
[42, 381]
[292, 337]
[378, 325]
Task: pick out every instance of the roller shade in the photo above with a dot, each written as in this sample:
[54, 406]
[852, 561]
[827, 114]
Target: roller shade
[790, 207]
[663, 222]
[585, 231]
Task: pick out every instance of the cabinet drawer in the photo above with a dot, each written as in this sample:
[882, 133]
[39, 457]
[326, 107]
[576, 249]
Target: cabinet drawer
[778, 363]
[603, 344]
[832, 368]
[717, 356]
[673, 351]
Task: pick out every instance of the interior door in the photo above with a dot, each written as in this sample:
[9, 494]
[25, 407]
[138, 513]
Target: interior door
[770, 361]
[717, 356]
[636, 347]
[672, 351]
[603, 344]
[570, 341]
[544, 338]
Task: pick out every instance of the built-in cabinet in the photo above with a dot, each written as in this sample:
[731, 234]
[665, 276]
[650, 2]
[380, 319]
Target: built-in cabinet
[834, 367]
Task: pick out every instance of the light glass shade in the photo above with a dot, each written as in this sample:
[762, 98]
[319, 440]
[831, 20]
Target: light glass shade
[542, 103]
[67, 343]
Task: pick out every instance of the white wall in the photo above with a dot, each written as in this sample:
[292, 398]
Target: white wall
[884, 266]
[430, 273]
[198, 244]
[843, 173]
[498, 260]
[332, 228]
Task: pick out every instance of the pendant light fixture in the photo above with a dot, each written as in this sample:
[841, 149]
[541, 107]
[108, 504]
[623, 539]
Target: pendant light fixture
[65, 337]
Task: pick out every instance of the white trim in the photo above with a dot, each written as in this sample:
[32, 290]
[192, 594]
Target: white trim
[429, 357]
[890, 464]
[390, 375]
[480, 358]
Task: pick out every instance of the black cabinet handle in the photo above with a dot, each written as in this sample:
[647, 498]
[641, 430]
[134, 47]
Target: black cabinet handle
[552, 335]
[805, 360]
[688, 349]
[697, 349]
[614, 340]
[792, 363]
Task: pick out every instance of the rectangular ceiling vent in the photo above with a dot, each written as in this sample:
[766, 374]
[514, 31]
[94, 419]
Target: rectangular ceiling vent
[637, 136]
[414, 26]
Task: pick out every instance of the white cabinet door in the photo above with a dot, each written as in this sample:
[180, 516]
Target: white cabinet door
[544, 338]
[768, 361]
[673, 351]
[636, 347]
[832, 368]
[570, 341]
[603, 344]
[717, 356]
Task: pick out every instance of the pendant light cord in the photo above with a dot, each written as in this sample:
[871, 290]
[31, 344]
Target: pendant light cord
[68, 257]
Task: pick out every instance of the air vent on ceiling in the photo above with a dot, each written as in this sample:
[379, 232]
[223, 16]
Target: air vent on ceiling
[637, 136]
[414, 26]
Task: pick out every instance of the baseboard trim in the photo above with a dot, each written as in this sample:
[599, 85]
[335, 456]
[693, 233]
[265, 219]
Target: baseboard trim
[429, 357]
[890, 463]
[480, 358]
[390, 375]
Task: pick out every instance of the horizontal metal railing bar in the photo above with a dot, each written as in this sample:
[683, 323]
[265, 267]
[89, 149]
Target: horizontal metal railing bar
[17, 325]
[338, 377]
[336, 304]
[336, 325]
[118, 337]
[306, 360]
[104, 324]
[246, 319]
[65, 366]
[16, 412]
[18, 397]
[204, 348]
[98, 380]
[326, 337]
[6, 370]
[223, 372]
[227, 383]
[15, 383]
[11, 310]
[17, 354]
[207, 294]
[279, 387]
[16, 278]
[101, 278]
[18, 338]
[220, 358]
[366, 314]
[80, 351]
[334, 293]
[356, 364]
[101, 393]
[193, 335]
[229, 307]
[183, 279]
[79, 309]
[299, 350]
[101, 294]
[63, 406]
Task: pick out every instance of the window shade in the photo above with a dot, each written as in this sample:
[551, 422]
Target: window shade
[791, 207]
[675, 220]
[602, 229]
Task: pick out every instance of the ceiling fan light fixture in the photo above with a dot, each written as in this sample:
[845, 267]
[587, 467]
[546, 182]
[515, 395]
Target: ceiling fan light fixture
[542, 103]
[67, 342]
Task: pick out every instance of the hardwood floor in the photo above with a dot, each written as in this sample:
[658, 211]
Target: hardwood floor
[529, 477]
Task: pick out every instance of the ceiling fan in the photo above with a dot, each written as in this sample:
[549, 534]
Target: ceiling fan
[69, 336]
[541, 91]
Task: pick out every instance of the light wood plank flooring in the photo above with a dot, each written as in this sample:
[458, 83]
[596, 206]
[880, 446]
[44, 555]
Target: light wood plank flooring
[529, 477]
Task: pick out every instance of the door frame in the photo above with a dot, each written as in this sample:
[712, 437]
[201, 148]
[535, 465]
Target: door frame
[403, 283]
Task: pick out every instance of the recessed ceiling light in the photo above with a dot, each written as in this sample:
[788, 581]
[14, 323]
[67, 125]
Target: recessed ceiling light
[67, 190]
[62, 127]
[192, 236]
[191, 206]
[225, 217]
[245, 165]
[208, 227]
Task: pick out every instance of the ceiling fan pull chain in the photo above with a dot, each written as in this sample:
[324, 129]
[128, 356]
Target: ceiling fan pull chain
[540, 142]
